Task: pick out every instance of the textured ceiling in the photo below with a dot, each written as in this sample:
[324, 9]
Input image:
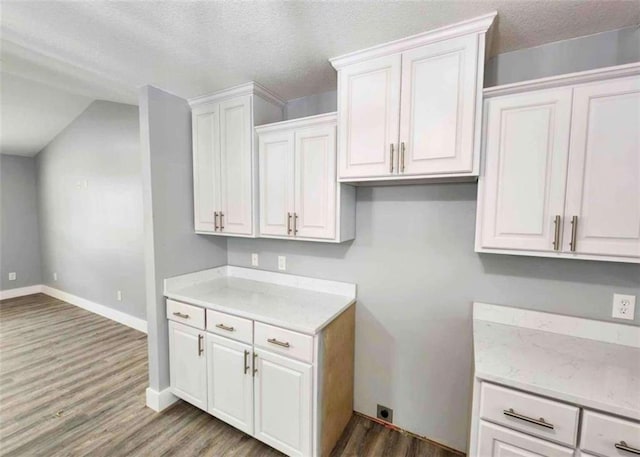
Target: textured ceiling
[194, 48]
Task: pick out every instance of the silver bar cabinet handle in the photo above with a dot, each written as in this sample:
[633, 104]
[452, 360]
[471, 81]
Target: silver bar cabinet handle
[625, 447]
[278, 343]
[255, 370]
[574, 233]
[556, 234]
[200, 346]
[391, 161]
[295, 223]
[402, 157]
[541, 422]
[183, 316]
[288, 223]
[221, 221]
[215, 220]
[246, 361]
[224, 327]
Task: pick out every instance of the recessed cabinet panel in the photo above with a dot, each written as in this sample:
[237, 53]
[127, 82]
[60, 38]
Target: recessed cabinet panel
[438, 107]
[315, 182]
[206, 167]
[369, 97]
[236, 165]
[276, 185]
[603, 189]
[187, 364]
[523, 186]
[496, 441]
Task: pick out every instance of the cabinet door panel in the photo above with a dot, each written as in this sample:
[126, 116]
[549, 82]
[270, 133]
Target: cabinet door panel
[188, 364]
[438, 110]
[315, 182]
[603, 187]
[206, 167]
[230, 382]
[522, 188]
[368, 116]
[276, 183]
[496, 441]
[235, 164]
[283, 391]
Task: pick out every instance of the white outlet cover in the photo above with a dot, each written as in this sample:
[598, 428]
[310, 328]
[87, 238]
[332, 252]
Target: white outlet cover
[12, 276]
[55, 276]
[254, 260]
[282, 263]
[119, 295]
[623, 306]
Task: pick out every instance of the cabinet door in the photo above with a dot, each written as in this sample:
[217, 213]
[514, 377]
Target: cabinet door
[276, 183]
[236, 158]
[368, 116]
[283, 392]
[315, 182]
[496, 441]
[230, 382]
[206, 166]
[603, 188]
[522, 189]
[187, 364]
[438, 107]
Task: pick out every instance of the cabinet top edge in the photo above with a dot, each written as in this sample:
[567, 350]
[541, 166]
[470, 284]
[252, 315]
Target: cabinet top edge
[250, 88]
[598, 74]
[318, 119]
[480, 24]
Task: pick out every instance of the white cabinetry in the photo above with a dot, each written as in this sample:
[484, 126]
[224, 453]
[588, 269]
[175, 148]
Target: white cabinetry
[224, 158]
[299, 196]
[188, 366]
[561, 171]
[496, 441]
[411, 108]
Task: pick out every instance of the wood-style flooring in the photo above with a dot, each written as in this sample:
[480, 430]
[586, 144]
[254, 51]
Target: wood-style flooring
[72, 383]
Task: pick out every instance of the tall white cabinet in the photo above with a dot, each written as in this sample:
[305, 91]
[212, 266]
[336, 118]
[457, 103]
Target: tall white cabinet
[224, 158]
[561, 171]
[412, 108]
[299, 196]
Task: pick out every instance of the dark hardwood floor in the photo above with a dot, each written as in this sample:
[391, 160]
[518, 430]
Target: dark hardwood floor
[72, 383]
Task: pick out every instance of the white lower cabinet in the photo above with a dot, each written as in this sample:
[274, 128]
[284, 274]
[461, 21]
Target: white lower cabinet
[497, 441]
[283, 394]
[187, 364]
[230, 382]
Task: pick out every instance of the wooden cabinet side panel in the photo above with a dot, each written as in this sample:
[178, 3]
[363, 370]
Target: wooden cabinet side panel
[338, 341]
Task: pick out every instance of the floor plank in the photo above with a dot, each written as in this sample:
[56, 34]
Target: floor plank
[72, 383]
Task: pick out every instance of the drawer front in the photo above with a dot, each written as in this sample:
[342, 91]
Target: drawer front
[286, 342]
[601, 433]
[497, 441]
[230, 326]
[521, 411]
[186, 314]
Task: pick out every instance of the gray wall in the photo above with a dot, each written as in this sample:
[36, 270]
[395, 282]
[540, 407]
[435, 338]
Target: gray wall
[90, 199]
[171, 245]
[19, 238]
[325, 102]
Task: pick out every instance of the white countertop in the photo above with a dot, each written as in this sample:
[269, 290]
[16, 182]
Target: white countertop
[294, 302]
[588, 363]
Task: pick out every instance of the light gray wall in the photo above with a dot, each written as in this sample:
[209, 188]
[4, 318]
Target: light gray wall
[19, 238]
[605, 49]
[91, 234]
[325, 102]
[171, 245]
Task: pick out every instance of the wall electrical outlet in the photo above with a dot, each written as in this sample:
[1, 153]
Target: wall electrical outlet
[384, 413]
[282, 263]
[254, 259]
[12, 276]
[623, 306]
[55, 276]
[119, 295]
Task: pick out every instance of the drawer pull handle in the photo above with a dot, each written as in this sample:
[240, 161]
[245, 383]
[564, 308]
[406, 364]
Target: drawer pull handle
[278, 343]
[541, 422]
[224, 327]
[623, 446]
[183, 316]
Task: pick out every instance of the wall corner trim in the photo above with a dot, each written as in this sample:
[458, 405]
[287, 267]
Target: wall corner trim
[104, 311]
[159, 401]
[20, 291]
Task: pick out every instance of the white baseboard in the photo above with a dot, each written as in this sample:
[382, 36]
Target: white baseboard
[20, 291]
[159, 401]
[105, 311]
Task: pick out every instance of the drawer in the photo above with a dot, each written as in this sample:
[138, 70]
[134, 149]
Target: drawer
[521, 411]
[187, 314]
[494, 440]
[230, 326]
[601, 433]
[286, 342]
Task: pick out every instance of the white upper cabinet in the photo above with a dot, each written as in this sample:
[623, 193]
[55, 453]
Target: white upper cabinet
[561, 173]
[224, 158]
[412, 108]
[299, 196]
